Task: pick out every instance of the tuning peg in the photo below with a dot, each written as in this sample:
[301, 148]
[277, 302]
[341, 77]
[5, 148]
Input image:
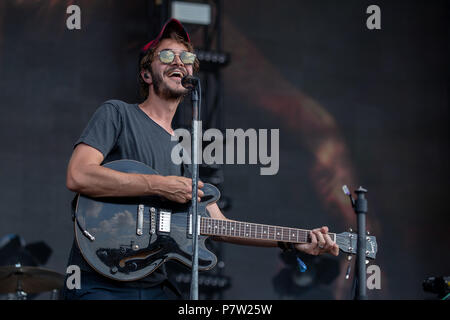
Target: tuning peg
[349, 267]
[347, 274]
[350, 230]
[368, 233]
[347, 192]
[367, 261]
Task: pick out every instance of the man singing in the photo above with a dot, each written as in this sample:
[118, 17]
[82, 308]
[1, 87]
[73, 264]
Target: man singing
[143, 132]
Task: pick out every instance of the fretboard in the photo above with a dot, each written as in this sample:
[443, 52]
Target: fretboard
[247, 230]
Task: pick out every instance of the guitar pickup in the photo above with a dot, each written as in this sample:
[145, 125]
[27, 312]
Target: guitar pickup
[140, 220]
[198, 225]
[164, 221]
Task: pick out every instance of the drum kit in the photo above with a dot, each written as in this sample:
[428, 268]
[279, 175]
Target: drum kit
[18, 281]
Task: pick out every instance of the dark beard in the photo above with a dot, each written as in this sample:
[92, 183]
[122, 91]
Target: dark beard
[163, 91]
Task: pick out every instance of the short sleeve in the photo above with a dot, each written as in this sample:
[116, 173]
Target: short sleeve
[103, 129]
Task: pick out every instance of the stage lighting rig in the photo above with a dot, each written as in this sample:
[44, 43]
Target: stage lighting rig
[191, 12]
[211, 60]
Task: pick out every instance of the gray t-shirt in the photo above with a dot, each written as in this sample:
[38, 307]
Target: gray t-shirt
[123, 131]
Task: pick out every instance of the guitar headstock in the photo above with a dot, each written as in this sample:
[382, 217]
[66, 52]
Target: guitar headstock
[348, 241]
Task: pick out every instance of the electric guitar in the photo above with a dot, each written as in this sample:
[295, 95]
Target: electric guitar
[127, 238]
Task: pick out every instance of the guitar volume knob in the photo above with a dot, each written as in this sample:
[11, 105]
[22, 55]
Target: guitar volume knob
[132, 266]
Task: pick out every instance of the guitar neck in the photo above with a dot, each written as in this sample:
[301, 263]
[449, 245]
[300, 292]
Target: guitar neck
[247, 230]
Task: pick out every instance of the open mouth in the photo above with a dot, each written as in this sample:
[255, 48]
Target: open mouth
[175, 74]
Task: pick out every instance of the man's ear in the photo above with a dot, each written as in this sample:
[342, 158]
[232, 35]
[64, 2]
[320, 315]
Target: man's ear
[146, 76]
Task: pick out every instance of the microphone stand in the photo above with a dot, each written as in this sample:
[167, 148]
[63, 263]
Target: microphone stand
[360, 208]
[196, 95]
[361, 211]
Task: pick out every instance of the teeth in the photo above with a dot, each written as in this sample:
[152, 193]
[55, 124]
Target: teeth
[176, 73]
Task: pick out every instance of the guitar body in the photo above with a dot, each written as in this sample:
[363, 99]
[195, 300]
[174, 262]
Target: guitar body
[133, 236]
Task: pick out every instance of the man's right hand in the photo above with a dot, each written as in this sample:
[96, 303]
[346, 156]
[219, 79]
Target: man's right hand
[179, 189]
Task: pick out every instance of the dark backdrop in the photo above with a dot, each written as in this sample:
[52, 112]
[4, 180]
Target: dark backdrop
[380, 96]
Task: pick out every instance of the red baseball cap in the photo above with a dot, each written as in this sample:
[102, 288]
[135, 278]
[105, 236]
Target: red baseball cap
[170, 25]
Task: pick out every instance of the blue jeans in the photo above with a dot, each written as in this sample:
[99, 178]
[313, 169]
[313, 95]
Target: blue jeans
[95, 287]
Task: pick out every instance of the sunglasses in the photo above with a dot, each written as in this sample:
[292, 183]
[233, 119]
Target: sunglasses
[167, 56]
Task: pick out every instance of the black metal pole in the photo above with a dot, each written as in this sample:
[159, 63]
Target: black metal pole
[361, 211]
[196, 91]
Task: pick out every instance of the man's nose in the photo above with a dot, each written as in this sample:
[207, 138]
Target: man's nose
[177, 60]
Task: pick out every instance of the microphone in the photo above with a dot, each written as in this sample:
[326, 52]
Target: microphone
[190, 82]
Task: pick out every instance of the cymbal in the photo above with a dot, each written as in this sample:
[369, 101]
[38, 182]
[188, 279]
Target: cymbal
[29, 279]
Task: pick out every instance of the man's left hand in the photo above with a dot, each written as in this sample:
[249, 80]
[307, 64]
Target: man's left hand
[320, 243]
